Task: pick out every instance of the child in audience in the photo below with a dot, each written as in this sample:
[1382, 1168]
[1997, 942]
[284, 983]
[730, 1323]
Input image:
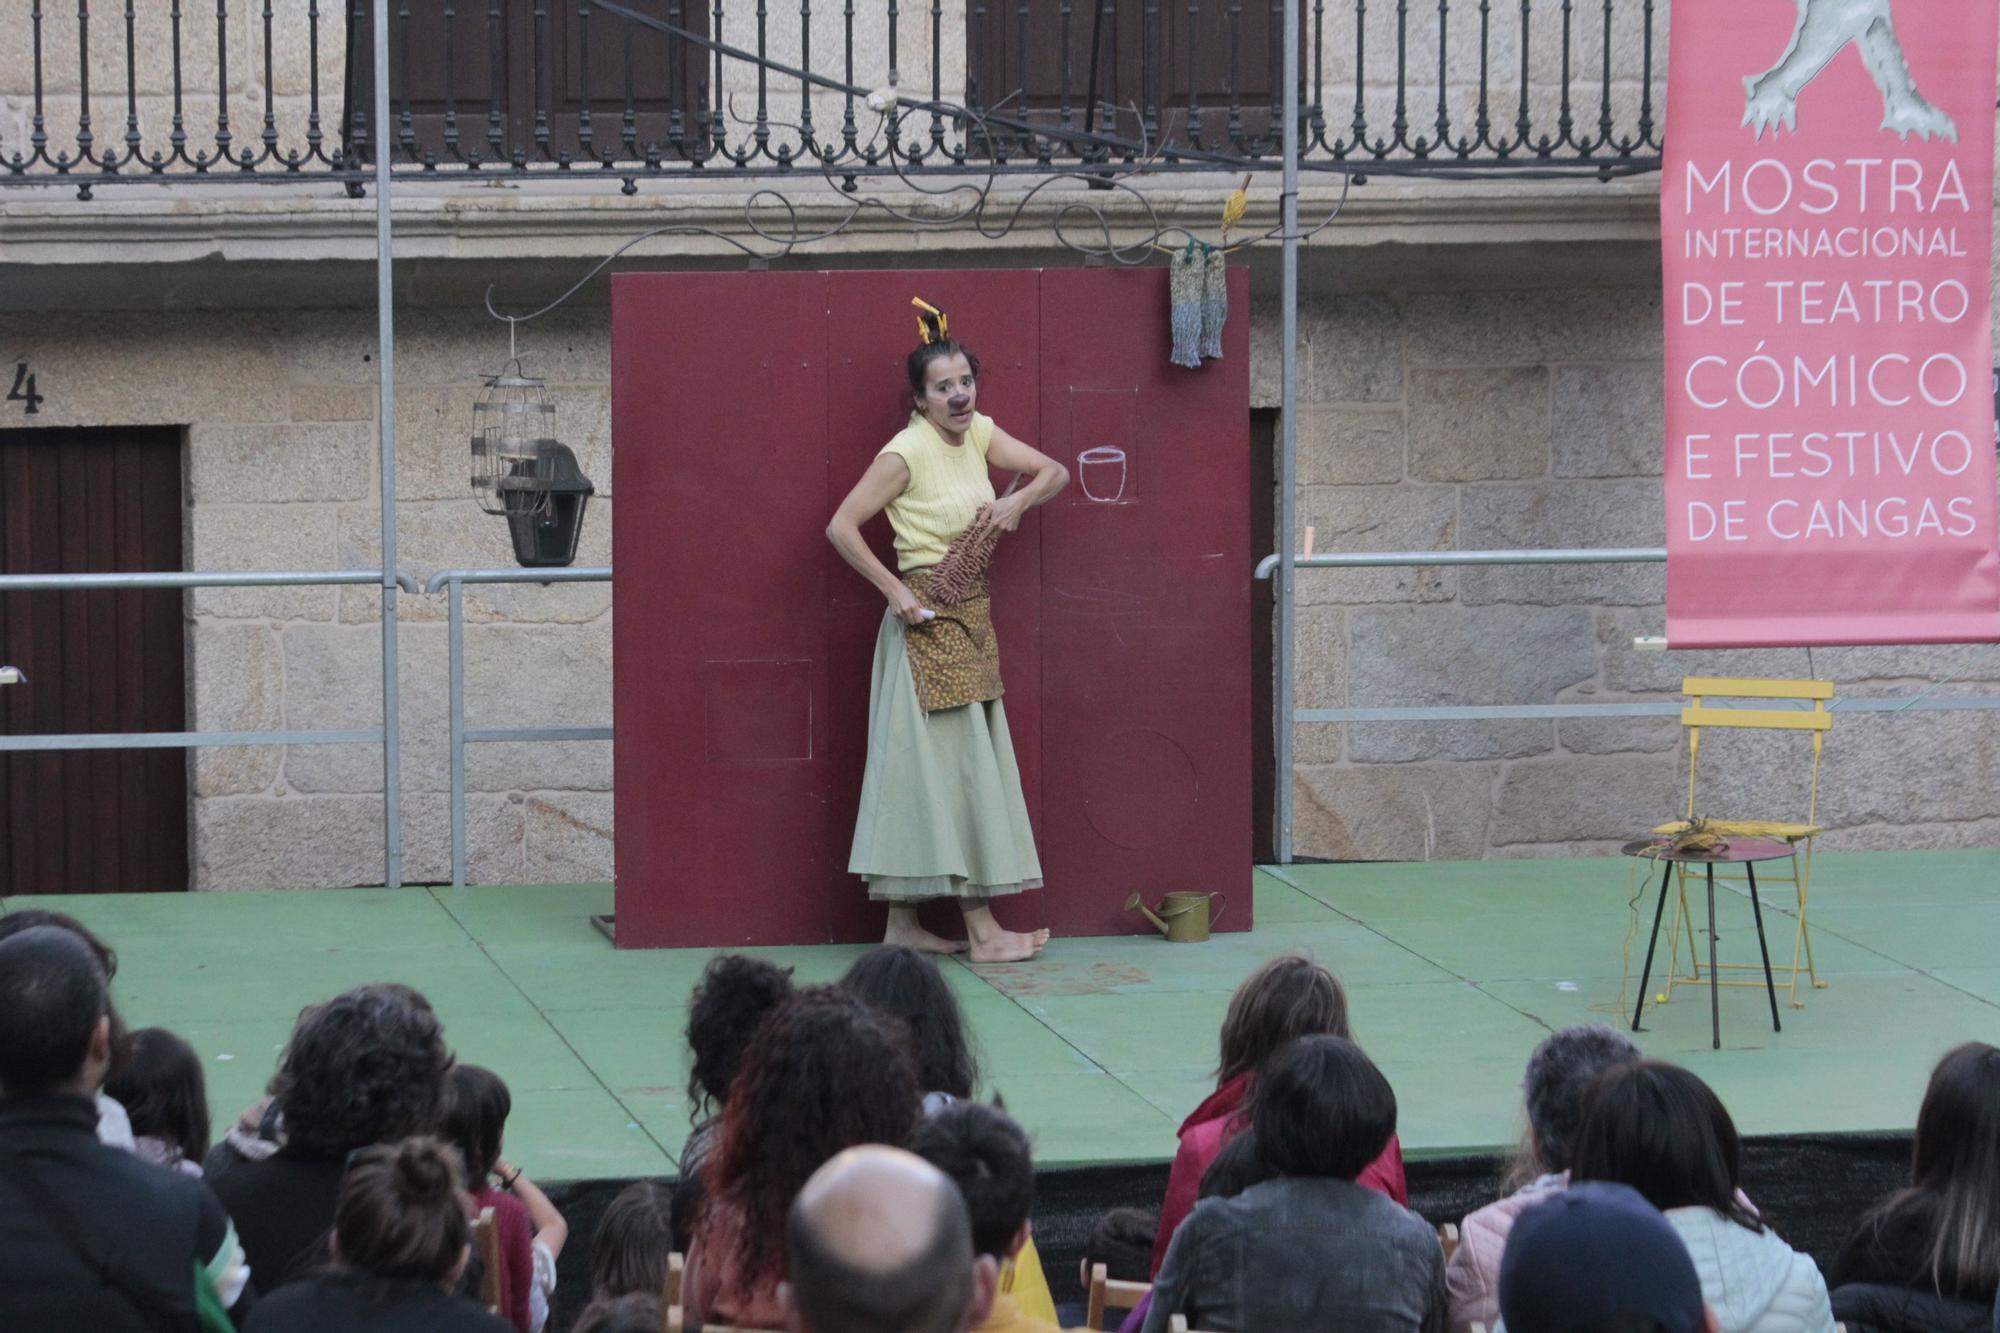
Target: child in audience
[1560, 1072]
[1928, 1256]
[1306, 1247]
[1598, 1259]
[1289, 996]
[629, 1249]
[530, 1230]
[401, 1243]
[907, 985]
[986, 1154]
[825, 1072]
[165, 1098]
[734, 996]
[1661, 1130]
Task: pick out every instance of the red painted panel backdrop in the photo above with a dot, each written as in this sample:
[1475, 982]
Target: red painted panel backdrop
[744, 407]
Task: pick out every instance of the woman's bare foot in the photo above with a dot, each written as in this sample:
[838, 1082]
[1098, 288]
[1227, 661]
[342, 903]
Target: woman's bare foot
[904, 930]
[992, 944]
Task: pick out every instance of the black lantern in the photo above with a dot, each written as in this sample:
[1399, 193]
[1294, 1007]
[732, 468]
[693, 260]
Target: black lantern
[545, 504]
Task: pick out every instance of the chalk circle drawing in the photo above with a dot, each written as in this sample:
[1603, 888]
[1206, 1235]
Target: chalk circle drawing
[1101, 473]
[1825, 29]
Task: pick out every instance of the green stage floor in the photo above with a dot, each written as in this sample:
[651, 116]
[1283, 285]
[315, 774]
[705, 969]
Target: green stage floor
[1454, 970]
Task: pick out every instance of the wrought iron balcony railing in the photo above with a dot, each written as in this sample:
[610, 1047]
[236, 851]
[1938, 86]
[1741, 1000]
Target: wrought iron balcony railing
[281, 90]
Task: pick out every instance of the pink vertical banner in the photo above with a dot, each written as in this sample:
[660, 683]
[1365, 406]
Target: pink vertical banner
[1826, 220]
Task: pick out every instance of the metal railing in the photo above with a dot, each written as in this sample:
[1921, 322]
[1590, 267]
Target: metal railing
[1286, 714]
[171, 740]
[644, 88]
[454, 581]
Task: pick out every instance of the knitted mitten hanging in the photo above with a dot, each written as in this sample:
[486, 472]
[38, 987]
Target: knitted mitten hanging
[1184, 288]
[1214, 302]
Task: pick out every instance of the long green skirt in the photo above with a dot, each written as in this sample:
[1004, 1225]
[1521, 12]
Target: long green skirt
[942, 815]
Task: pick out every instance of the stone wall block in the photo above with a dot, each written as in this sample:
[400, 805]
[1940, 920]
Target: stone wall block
[165, 369]
[287, 842]
[1479, 424]
[535, 676]
[1610, 421]
[333, 676]
[1320, 658]
[518, 766]
[1585, 798]
[299, 463]
[1340, 446]
[456, 534]
[1317, 742]
[236, 684]
[1266, 352]
[459, 347]
[1564, 514]
[1906, 768]
[1526, 328]
[1618, 735]
[338, 402]
[1351, 350]
[1630, 671]
[270, 537]
[1392, 812]
[1425, 656]
[1377, 518]
[569, 838]
[494, 837]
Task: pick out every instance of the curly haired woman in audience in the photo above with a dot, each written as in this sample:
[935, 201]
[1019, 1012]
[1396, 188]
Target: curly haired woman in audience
[1661, 1130]
[1306, 1247]
[1289, 996]
[735, 995]
[401, 1243]
[1928, 1256]
[365, 1067]
[1559, 1074]
[825, 1072]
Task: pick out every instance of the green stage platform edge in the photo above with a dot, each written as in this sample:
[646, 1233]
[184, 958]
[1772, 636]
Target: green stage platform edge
[1454, 971]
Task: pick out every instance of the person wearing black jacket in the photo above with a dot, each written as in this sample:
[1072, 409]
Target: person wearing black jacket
[91, 1237]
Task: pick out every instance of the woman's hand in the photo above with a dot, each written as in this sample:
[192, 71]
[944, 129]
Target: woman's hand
[905, 604]
[1005, 513]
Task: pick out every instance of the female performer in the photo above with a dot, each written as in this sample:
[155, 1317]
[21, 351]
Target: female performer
[942, 815]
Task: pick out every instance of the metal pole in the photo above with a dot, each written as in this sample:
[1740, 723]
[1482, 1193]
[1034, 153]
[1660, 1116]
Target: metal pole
[385, 354]
[1288, 436]
[457, 686]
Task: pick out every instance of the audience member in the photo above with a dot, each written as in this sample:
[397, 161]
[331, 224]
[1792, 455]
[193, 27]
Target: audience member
[1559, 1073]
[825, 1072]
[908, 985]
[1308, 1248]
[401, 1243]
[530, 1230]
[1661, 1130]
[114, 1127]
[1121, 1240]
[629, 1249]
[634, 1312]
[365, 1067]
[90, 1237]
[986, 1155]
[1289, 996]
[878, 1241]
[1598, 1258]
[735, 995]
[1928, 1256]
[165, 1098]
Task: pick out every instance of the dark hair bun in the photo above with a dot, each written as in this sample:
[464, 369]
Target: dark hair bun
[423, 1172]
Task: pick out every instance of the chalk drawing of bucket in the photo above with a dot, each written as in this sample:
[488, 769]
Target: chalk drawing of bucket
[1101, 473]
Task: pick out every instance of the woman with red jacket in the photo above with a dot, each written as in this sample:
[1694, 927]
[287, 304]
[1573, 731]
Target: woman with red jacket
[1289, 996]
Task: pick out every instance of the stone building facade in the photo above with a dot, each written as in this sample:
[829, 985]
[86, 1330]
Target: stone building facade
[1480, 367]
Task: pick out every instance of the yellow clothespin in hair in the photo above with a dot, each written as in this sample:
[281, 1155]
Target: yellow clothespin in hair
[932, 329]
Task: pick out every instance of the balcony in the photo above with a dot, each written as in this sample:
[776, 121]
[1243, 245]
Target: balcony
[634, 89]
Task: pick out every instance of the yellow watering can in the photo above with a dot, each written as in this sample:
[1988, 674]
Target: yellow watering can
[1183, 917]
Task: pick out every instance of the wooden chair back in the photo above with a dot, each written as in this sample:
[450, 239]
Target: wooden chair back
[486, 1244]
[1109, 1293]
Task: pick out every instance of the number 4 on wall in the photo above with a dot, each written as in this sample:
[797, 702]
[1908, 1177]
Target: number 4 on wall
[24, 390]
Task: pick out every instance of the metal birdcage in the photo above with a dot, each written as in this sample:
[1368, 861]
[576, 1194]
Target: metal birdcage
[513, 444]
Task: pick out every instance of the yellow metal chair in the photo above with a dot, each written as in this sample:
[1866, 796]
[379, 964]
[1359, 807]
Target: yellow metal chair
[1804, 708]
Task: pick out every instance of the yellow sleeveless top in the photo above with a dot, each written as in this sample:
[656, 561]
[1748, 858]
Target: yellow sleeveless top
[947, 485]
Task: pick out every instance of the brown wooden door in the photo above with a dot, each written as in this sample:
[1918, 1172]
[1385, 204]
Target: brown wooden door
[92, 821]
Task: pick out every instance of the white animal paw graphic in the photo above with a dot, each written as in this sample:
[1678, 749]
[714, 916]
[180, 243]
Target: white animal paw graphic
[1769, 108]
[1825, 29]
